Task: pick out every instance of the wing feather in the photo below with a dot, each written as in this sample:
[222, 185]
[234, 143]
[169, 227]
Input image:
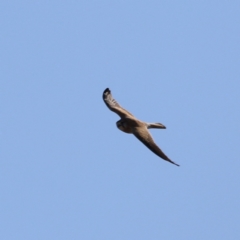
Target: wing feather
[113, 105]
[145, 137]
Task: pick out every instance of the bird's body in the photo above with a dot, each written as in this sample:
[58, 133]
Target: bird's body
[130, 124]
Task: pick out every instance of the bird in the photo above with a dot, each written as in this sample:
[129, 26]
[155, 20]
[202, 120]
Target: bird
[131, 125]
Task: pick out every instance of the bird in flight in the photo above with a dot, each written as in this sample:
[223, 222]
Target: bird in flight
[130, 124]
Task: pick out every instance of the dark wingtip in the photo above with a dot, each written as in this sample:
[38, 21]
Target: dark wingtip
[176, 164]
[173, 163]
[107, 90]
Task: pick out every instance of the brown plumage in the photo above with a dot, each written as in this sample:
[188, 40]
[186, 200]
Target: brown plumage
[129, 124]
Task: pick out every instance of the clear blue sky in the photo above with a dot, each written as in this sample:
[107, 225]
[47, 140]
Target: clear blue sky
[67, 172]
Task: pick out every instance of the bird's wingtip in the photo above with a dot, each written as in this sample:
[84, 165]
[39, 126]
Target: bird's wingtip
[107, 90]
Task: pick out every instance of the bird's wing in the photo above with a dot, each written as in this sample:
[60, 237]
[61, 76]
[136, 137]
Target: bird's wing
[113, 104]
[145, 137]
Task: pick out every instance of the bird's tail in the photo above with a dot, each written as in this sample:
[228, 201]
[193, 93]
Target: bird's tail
[155, 125]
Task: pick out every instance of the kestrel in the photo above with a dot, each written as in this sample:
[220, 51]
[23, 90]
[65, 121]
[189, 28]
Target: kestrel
[130, 124]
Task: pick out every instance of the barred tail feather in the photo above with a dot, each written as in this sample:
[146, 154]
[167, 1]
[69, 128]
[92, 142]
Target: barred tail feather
[155, 125]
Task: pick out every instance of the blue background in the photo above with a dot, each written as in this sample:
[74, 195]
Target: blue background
[67, 172]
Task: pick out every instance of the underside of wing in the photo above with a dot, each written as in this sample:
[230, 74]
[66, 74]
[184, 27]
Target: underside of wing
[113, 105]
[145, 137]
